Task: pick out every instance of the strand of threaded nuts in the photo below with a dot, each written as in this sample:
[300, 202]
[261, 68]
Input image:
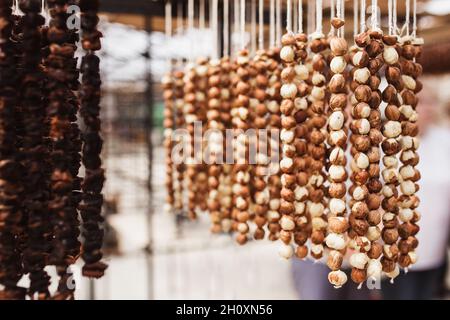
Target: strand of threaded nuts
[180, 166]
[260, 121]
[225, 183]
[10, 169]
[316, 146]
[337, 139]
[366, 137]
[90, 94]
[301, 232]
[62, 78]
[409, 175]
[201, 177]
[391, 147]
[215, 144]
[274, 182]
[190, 104]
[288, 92]
[169, 124]
[241, 190]
[34, 151]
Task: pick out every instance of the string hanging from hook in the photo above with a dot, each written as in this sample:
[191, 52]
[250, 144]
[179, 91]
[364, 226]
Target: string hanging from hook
[289, 16]
[253, 26]
[300, 16]
[311, 16]
[394, 17]
[261, 25]
[414, 26]
[226, 26]
[180, 27]
[294, 16]
[237, 27]
[332, 16]
[319, 9]
[272, 23]
[363, 16]
[355, 17]
[202, 14]
[215, 28]
[408, 8]
[242, 24]
[390, 26]
[168, 20]
[374, 18]
[190, 15]
[278, 22]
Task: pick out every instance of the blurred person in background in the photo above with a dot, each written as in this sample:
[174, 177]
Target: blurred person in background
[426, 278]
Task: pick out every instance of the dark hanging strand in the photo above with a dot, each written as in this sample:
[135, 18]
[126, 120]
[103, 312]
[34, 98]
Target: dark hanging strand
[34, 150]
[62, 107]
[10, 170]
[91, 204]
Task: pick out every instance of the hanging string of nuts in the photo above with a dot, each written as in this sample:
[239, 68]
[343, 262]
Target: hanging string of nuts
[261, 196]
[169, 125]
[62, 78]
[241, 190]
[10, 168]
[288, 92]
[188, 113]
[91, 205]
[409, 175]
[215, 144]
[391, 147]
[180, 122]
[305, 97]
[274, 123]
[34, 153]
[337, 139]
[316, 144]
[301, 192]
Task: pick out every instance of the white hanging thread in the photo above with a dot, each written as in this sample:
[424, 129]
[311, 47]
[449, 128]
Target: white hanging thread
[226, 26]
[168, 20]
[295, 16]
[311, 16]
[242, 24]
[332, 16]
[180, 26]
[236, 23]
[414, 32]
[215, 28]
[261, 25]
[202, 14]
[319, 17]
[190, 15]
[342, 29]
[289, 16]
[272, 24]
[374, 20]
[278, 21]
[355, 17]
[253, 26]
[300, 16]
[390, 17]
[363, 16]
[394, 17]
[408, 4]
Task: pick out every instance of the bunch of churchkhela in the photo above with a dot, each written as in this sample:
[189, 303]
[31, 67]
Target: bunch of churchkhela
[343, 187]
[49, 214]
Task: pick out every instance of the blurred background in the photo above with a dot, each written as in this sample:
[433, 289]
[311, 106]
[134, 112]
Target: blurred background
[156, 255]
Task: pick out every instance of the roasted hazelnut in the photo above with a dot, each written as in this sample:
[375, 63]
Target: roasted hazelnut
[358, 275]
[301, 252]
[388, 264]
[390, 236]
[363, 93]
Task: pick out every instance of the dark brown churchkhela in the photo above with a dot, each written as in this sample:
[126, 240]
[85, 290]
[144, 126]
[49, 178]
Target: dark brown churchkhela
[91, 204]
[34, 150]
[62, 78]
[10, 170]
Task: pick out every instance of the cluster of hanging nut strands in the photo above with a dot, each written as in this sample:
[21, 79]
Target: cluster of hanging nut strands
[344, 185]
[41, 147]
